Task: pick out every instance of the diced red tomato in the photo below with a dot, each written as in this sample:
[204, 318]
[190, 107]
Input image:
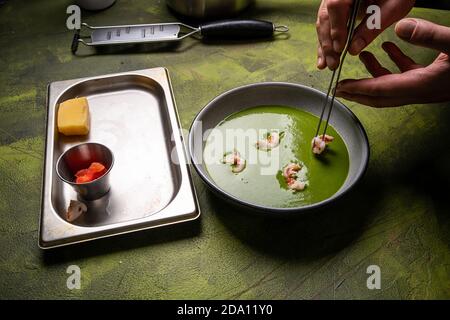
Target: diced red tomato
[96, 166]
[95, 171]
[84, 178]
[81, 173]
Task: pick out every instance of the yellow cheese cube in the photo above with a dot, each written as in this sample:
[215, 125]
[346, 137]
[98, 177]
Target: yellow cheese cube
[73, 117]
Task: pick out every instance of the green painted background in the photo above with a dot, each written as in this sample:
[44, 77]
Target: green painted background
[398, 218]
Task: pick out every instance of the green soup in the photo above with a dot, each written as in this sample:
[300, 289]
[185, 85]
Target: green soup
[262, 181]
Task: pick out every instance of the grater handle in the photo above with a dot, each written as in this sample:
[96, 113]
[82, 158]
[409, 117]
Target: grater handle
[238, 29]
[75, 39]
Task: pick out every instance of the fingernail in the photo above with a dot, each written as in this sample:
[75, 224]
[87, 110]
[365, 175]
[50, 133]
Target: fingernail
[319, 61]
[405, 28]
[357, 45]
[331, 61]
[336, 46]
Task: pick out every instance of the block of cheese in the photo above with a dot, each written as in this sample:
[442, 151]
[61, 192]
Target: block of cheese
[73, 117]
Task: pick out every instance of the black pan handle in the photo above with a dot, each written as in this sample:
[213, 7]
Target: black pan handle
[238, 29]
[76, 37]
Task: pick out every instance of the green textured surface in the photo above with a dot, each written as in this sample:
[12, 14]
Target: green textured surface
[397, 218]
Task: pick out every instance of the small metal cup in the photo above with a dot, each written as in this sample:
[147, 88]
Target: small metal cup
[80, 157]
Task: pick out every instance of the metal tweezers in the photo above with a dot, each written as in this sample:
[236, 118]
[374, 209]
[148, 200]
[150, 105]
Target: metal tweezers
[337, 72]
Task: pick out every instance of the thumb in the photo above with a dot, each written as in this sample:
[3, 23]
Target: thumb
[424, 33]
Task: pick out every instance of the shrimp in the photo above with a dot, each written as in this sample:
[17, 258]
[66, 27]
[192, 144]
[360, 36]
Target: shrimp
[75, 210]
[235, 160]
[291, 170]
[271, 141]
[290, 175]
[297, 185]
[319, 143]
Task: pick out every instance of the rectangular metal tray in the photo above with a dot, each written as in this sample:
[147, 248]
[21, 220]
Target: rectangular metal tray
[134, 114]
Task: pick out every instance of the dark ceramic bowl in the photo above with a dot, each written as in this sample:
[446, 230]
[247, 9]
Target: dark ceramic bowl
[287, 94]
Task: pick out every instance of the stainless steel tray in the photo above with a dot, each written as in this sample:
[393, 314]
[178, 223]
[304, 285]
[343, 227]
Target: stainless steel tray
[134, 114]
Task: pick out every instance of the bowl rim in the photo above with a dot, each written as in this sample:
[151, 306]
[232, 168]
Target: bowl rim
[261, 208]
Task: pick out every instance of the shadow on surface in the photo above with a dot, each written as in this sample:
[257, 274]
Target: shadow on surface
[426, 169]
[179, 46]
[255, 11]
[431, 178]
[230, 42]
[286, 9]
[307, 236]
[140, 48]
[122, 242]
[420, 164]
[443, 4]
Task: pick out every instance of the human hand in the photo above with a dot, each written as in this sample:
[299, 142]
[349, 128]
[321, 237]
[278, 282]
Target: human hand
[331, 26]
[415, 83]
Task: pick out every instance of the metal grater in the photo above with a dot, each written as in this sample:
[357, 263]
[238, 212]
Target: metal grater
[162, 32]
